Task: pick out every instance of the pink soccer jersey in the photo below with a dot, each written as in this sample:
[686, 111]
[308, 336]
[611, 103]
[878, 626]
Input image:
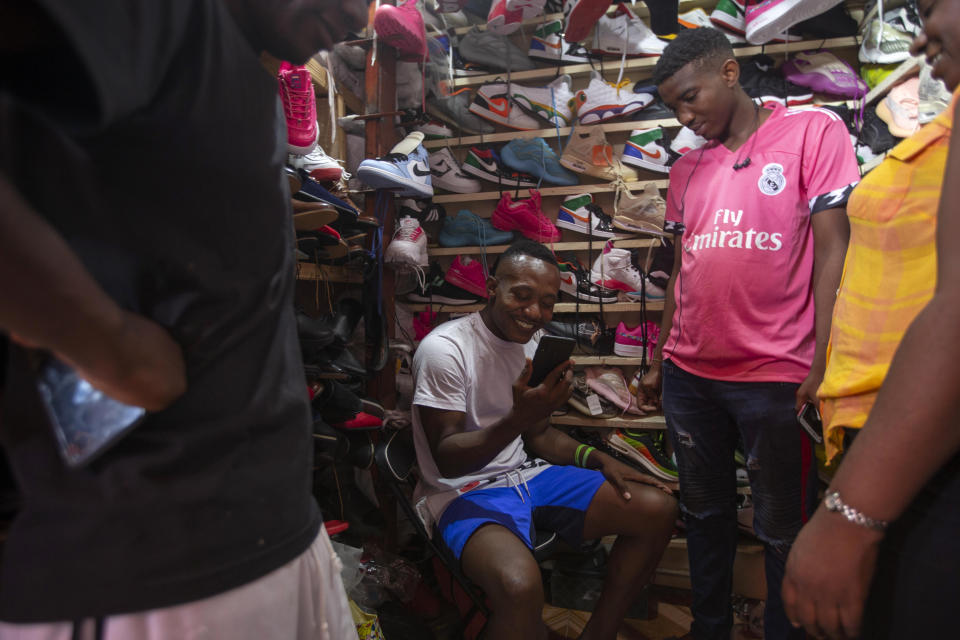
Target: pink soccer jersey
[744, 294]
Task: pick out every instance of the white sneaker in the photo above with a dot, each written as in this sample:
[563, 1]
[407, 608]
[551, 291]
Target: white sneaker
[448, 175]
[409, 245]
[547, 44]
[530, 8]
[698, 19]
[686, 141]
[579, 213]
[882, 44]
[614, 269]
[623, 32]
[494, 103]
[902, 20]
[602, 101]
[318, 164]
[550, 102]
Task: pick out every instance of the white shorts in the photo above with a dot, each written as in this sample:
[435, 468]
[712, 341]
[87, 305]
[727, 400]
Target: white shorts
[302, 600]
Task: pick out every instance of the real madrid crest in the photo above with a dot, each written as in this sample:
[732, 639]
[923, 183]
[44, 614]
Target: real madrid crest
[771, 180]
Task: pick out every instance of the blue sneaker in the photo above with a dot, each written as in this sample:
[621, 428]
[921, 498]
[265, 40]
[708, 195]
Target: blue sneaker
[466, 229]
[313, 191]
[534, 156]
[407, 173]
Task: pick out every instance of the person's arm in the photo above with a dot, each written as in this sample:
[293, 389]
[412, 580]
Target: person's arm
[832, 562]
[48, 300]
[458, 452]
[831, 234]
[650, 383]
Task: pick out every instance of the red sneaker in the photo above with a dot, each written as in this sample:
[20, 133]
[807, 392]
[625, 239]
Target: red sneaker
[526, 217]
[467, 273]
[579, 16]
[402, 28]
[299, 107]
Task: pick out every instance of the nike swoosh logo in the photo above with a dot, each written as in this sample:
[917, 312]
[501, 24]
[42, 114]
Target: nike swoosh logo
[567, 280]
[489, 166]
[650, 155]
[574, 215]
[499, 106]
[418, 171]
[549, 44]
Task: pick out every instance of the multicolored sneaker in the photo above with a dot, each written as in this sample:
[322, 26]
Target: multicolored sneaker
[547, 44]
[641, 214]
[579, 16]
[552, 102]
[485, 163]
[632, 342]
[624, 32]
[649, 149]
[469, 275]
[502, 20]
[405, 169]
[447, 174]
[494, 103]
[884, 44]
[436, 290]
[588, 152]
[408, 246]
[761, 81]
[824, 72]
[575, 282]
[602, 101]
[402, 28]
[299, 107]
[767, 19]
[525, 216]
[318, 164]
[644, 449]
[579, 213]
[730, 15]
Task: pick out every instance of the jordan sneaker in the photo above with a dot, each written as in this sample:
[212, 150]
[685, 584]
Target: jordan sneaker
[614, 269]
[503, 20]
[623, 32]
[824, 72]
[547, 44]
[484, 163]
[730, 15]
[534, 156]
[447, 174]
[524, 215]
[649, 149]
[299, 107]
[434, 130]
[493, 102]
[436, 290]
[405, 169]
[640, 214]
[552, 102]
[579, 213]
[884, 44]
[408, 246]
[575, 282]
[602, 101]
[588, 152]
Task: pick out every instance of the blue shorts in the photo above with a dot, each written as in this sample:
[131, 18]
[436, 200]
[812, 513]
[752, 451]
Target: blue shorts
[558, 499]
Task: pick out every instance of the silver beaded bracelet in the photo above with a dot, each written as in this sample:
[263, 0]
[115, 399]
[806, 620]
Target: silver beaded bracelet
[833, 502]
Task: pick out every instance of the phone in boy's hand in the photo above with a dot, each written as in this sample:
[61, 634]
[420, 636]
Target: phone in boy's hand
[551, 351]
[809, 419]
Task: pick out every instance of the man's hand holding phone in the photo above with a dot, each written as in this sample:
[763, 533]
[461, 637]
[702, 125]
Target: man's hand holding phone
[532, 405]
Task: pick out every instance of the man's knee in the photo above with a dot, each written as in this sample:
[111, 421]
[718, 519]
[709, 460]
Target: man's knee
[521, 586]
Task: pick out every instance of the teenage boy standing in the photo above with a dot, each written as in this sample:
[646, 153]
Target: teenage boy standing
[759, 215]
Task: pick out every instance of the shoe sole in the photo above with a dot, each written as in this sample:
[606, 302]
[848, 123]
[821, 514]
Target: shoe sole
[446, 185]
[728, 22]
[628, 350]
[490, 116]
[380, 179]
[610, 112]
[507, 182]
[622, 447]
[574, 227]
[395, 32]
[625, 225]
[310, 220]
[644, 163]
[770, 24]
[588, 298]
[442, 300]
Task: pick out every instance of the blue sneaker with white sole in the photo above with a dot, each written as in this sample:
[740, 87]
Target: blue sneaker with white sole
[406, 173]
[534, 156]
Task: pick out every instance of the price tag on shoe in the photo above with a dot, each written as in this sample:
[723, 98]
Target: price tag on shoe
[593, 403]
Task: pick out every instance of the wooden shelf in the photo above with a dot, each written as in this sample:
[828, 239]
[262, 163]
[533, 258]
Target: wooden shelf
[620, 361]
[647, 64]
[311, 271]
[626, 243]
[560, 307]
[574, 190]
[576, 419]
[607, 127]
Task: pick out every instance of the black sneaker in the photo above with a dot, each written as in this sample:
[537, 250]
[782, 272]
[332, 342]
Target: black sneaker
[761, 80]
[875, 134]
[835, 22]
[591, 335]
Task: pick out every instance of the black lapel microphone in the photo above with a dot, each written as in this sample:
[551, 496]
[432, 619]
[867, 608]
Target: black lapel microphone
[742, 165]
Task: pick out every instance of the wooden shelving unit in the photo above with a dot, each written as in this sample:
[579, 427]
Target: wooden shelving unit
[575, 419]
[597, 245]
[577, 189]
[311, 271]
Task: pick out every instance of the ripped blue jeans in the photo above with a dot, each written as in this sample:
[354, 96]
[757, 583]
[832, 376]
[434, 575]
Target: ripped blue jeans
[705, 420]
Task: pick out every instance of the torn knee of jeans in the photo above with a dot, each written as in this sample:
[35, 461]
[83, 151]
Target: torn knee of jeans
[684, 439]
[704, 513]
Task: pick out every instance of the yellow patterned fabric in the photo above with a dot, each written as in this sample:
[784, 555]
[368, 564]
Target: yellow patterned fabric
[888, 277]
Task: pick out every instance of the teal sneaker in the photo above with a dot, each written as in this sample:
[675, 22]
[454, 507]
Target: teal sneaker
[467, 229]
[534, 156]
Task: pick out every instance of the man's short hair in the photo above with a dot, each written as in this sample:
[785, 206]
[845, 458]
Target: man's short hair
[692, 45]
[525, 247]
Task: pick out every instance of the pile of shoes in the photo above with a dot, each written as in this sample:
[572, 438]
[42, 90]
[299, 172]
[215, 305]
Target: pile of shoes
[324, 341]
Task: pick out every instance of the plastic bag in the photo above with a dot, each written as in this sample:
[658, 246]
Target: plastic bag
[384, 576]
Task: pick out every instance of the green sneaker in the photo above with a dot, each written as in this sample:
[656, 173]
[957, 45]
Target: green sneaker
[642, 447]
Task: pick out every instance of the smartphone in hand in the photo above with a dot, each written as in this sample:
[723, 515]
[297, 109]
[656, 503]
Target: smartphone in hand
[809, 419]
[86, 422]
[551, 351]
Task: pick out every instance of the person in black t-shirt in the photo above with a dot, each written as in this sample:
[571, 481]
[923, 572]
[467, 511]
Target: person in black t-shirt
[145, 240]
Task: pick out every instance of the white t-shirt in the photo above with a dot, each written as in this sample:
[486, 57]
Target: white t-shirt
[462, 366]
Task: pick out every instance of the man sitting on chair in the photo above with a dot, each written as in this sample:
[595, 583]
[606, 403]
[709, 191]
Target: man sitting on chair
[473, 413]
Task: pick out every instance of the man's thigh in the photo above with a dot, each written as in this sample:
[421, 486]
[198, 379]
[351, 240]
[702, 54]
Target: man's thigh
[704, 438]
[779, 457]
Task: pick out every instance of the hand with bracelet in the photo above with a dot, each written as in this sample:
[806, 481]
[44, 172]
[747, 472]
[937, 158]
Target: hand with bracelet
[615, 472]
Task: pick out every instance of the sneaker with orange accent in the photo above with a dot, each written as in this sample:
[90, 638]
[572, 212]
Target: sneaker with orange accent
[454, 109]
[649, 149]
[547, 44]
[579, 213]
[524, 215]
[589, 152]
[552, 102]
[493, 103]
[602, 100]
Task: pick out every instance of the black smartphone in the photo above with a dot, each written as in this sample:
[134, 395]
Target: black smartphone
[551, 351]
[85, 421]
[809, 419]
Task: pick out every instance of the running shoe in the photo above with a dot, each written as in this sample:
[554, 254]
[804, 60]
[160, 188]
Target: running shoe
[900, 109]
[467, 229]
[579, 213]
[547, 44]
[552, 102]
[602, 101]
[408, 246]
[436, 290]
[405, 169]
[524, 215]
[609, 382]
[641, 447]
[485, 163]
[624, 32]
[824, 72]
[590, 404]
[493, 102]
[632, 343]
[884, 44]
[447, 174]
[535, 157]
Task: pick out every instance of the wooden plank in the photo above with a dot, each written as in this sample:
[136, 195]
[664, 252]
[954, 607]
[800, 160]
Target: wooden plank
[310, 272]
[629, 243]
[602, 187]
[575, 419]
